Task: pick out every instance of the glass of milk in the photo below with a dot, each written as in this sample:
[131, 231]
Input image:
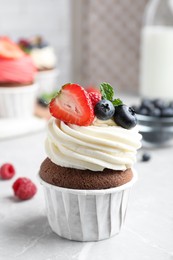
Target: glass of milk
[156, 64]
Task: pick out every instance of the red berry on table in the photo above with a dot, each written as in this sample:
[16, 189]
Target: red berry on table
[95, 97]
[24, 188]
[7, 171]
[72, 105]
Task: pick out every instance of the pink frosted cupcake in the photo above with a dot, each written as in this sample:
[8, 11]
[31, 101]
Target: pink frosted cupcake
[45, 60]
[17, 76]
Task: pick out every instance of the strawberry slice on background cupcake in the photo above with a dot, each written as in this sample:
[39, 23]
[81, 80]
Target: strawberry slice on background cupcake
[16, 68]
[9, 50]
[45, 59]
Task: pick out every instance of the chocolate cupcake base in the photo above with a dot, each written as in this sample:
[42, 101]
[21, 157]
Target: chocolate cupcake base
[10, 84]
[82, 179]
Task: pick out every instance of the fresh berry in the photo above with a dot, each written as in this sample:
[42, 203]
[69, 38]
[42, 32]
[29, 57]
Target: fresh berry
[25, 45]
[9, 50]
[146, 107]
[125, 116]
[167, 112]
[7, 171]
[104, 109]
[145, 157]
[159, 103]
[92, 89]
[147, 103]
[155, 112]
[42, 44]
[39, 42]
[42, 102]
[95, 97]
[24, 188]
[143, 111]
[155, 108]
[72, 105]
[171, 104]
[135, 108]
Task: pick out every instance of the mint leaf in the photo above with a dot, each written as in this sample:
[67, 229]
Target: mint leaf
[117, 102]
[107, 91]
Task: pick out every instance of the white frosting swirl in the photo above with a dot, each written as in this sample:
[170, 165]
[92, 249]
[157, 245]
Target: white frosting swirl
[93, 147]
[44, 58]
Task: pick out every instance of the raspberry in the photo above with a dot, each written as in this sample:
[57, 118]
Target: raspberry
[95, 97]
[7, 171]
[24, 188]
[92, 89]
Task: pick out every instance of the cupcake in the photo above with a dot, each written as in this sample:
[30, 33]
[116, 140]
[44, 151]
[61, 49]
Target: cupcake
[87, 176]
[45, 60]
[17, 87]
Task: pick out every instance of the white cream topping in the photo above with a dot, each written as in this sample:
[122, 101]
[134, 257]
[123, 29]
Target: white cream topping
[93, 147]
[98, 122]
[44, 58]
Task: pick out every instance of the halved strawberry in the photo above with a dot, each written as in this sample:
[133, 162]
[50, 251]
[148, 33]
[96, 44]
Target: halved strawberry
[9, 50]
[72, 105]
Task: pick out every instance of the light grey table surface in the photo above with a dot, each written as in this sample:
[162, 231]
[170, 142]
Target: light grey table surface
[147, 234]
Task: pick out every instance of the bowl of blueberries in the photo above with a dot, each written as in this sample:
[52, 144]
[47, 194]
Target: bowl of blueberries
[155, 120]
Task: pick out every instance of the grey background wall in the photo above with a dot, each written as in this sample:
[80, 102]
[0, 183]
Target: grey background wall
[49, 18]
[110, 42]
[95, 40]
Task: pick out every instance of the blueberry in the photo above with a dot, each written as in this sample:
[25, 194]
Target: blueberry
[147, 103]
[30, 47]
[151, 108]
[167, 112]
[135, 108]
[171, 104]
[155, 112]
[147, 107]
[39, 42]
[104, 109]
[143, 111]
[145, 157]
[125, 116]
[42, 102]
[42, 45]
[159, 103]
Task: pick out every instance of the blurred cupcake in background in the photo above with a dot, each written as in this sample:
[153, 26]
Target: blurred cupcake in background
[17, 75]
[45, 59]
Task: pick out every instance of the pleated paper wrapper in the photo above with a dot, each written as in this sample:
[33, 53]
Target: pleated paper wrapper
[47, 81]
[17, 102]
[87, 215]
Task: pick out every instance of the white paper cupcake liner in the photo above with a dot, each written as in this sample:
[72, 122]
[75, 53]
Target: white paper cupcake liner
[17, 101]
[87, 215]
[47, 81]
